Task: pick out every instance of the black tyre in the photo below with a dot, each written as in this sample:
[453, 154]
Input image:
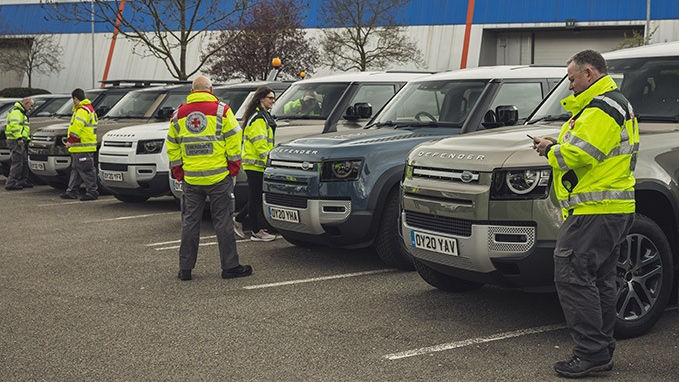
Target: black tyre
[644, 278]
[388, 245]
[443, 281]
[131, 198]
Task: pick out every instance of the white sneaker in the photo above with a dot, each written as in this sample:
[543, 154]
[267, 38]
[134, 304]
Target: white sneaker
[262, 235]
[238, 229]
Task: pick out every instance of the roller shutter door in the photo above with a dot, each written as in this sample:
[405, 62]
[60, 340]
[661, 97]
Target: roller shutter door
[555, 47]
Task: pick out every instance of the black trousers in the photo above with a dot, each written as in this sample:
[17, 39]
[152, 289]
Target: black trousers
[587, 249]
[255, 212]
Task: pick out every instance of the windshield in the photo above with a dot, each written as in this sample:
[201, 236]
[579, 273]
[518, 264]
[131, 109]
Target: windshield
[309, 100]
[137, 104]
[649, 84]
[446, 102]
[232, 97]
[67, 109]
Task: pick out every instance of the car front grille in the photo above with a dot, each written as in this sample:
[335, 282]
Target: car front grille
[286, 200]
[113, 166]
[443, 224]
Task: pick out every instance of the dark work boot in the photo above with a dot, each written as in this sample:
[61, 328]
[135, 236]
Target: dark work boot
[88, 196]
[14, 187]
[184, 274]
[239, 271]
[577, 367]
[67, 195]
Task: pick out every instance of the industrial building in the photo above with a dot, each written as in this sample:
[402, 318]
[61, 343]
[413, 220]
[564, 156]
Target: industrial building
[449, 33]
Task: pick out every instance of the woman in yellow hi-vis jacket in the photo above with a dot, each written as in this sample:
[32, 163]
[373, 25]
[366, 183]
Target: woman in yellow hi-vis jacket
[258, 140]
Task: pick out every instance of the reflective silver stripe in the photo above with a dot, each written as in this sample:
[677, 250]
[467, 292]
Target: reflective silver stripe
[201, 138]
[231, 132]
[14, 121]
[176, 140]
[614, 105]
[75, 135]
[206, 173]
[559, 157]
[596, 197]
[255, 162]
[220, 114]
[264, 155]
[633, 162]
[588, 148]
[623, 150]
[624, 135]
[177, 162]
[233, 157]
[80, 119]
[270, 140]
[175, 123]
[257, 138]
[251, 119]
[83, 144]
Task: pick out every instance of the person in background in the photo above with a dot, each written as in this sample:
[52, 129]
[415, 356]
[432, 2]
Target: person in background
[82, 144]
[204, 148]
[593, 168]
[18, 133]
[258, 141]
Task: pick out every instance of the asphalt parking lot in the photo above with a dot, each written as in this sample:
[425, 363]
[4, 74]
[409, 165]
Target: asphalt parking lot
[89, 292]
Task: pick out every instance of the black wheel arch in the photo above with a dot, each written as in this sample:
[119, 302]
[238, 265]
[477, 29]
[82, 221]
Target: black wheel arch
[389, 181]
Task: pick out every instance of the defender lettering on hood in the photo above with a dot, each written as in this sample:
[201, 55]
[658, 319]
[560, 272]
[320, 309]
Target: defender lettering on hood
[444, 155]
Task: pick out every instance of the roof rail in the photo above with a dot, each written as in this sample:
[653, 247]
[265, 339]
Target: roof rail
[410, 71]
[142, 83]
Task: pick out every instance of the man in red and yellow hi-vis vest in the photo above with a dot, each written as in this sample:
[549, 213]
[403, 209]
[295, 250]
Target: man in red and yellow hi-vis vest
[204, 148]
[82, 145]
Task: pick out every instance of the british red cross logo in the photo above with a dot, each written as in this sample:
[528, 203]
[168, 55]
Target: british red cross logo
[196, 122]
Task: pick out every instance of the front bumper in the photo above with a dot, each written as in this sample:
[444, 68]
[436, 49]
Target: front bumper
[49, 166]
[498, 253]
[134, 179]
[320, 221]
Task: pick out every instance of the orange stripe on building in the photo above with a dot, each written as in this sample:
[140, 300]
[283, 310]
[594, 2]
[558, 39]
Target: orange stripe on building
[467, 33]
[113, 41]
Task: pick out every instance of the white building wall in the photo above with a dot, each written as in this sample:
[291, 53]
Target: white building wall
[441, 47]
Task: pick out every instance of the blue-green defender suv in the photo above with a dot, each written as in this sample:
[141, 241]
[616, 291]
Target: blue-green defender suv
[341, 189]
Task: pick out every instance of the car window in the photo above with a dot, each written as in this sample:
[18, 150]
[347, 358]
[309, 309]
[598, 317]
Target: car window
[448, 101]
[314, 100]
[376, 95]
[174, 100]
[524, 95]
[135, 104]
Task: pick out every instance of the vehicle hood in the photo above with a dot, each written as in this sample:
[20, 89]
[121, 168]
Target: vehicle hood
[357, 143]
[484, 150]
[104, 126]
[157, 130]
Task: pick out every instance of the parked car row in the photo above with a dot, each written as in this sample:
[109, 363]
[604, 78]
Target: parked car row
[432, 170]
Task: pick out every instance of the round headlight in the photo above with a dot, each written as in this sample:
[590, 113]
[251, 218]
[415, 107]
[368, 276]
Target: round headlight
[342, 169]
[522, 181]
[151, 146]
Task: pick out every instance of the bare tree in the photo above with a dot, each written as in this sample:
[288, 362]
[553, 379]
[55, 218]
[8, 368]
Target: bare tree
[270, 29]
[164, 28]
[368, 36]
[27, 55]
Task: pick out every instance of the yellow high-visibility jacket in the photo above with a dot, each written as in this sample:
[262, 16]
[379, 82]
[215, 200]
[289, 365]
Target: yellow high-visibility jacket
[596, 152]
[17, 123]
[203, 135]
[258, 141]
[82, 131]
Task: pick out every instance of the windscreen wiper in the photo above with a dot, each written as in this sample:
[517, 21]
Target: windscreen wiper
[551, 117]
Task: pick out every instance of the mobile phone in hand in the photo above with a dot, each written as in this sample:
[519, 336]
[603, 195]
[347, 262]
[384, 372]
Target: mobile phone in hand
[532, 139]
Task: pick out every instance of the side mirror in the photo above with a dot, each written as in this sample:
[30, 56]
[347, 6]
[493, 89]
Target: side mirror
[507, 115]
[358, 111]
[102, 110]
[164, 113]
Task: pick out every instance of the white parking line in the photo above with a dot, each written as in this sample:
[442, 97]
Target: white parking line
[291, 282]
[74, 202]
[200, 245]
[179, 241]
[132, 217]
[474, 341]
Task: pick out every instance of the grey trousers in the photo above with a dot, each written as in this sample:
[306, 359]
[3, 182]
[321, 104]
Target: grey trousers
[82, 171]
[18, 171]
[193, 202]
[587, 249]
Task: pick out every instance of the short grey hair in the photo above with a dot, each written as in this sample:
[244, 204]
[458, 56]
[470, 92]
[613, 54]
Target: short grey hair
[201, 83]
[590, 57]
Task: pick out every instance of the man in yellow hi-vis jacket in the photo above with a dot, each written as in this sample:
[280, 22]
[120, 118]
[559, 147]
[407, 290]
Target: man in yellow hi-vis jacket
[204, 148]
[593, 163]
[18, 134]
[82, 145]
